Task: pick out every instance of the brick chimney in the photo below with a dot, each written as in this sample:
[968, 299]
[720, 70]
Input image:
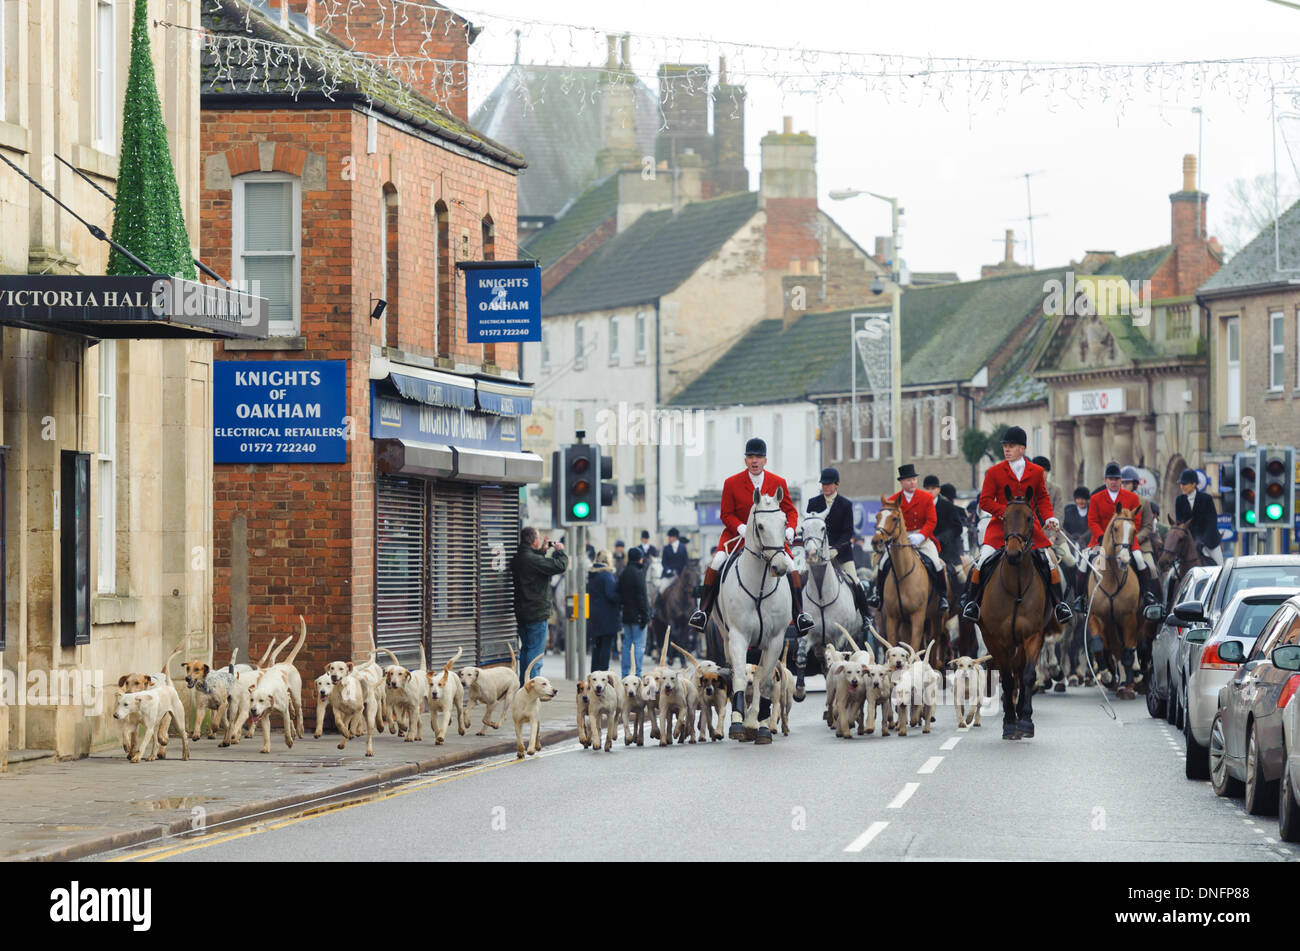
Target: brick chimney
[689, 184]
[729, 173]
[788, 195]
[617, 112]
[684, 101]
[376, 30]
[1196, 262]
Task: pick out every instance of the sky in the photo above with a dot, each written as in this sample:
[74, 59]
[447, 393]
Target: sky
[1102, 172]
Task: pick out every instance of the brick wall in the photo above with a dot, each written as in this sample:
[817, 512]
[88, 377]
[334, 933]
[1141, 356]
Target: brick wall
[791, 231]
[565, 266]
[1276, 414]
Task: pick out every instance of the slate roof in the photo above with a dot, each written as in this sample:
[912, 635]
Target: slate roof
[301, 78]
[580, 218]
[652, 257]
[1015, 386]
[1255, 265]
[551, 114]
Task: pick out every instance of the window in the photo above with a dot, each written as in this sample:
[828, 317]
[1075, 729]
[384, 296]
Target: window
[546, 348]
[388, 323]
[106, 469]
[1276, 328]
[778, 437]
[105, 77]
[267, 228]
[1037, 441]
[710, 442]
[579, 345]
[640, 337]
[639, 474]
[1232, 333]
[613, 341]
[918, 418]
[681, 465]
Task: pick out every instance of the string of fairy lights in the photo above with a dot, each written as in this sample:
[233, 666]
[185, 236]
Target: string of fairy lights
[558, 52]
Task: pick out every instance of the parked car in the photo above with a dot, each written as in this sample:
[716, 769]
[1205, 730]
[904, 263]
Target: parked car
[1205, 670]
[1238, 574]
[1161, 699]
[1246, 745]
[1288, 797]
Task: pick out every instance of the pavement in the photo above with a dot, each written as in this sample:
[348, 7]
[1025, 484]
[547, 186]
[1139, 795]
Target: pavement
[59, 811]
[1086, 788]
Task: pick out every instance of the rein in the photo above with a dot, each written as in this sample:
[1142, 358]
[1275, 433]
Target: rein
[760, 597]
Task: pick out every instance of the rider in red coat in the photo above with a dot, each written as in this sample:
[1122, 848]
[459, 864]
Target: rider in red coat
[737, 500]
[1018, 474]
[920, 519]
[1101, 509]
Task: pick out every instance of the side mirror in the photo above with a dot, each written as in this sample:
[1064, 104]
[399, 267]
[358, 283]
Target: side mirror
[1172, 620]
[1232, 652]
[1190, 611]
[1286, 657]
[1153, 612]
[1197, 635]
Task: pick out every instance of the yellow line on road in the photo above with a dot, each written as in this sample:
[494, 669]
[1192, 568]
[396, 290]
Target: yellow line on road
[158, 853]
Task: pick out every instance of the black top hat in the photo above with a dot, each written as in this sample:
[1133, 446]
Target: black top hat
[929, 481]
[906, 471]
[756, 447]
[1188, 477]
[830, 475]
[1112, 470]
[1016, 436]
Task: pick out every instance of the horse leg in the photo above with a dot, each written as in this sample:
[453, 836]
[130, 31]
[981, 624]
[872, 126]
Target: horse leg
[1025, 703]
[737, 648]
[761, 711]
[800, 665]
[1127, 659]
[1009, 681]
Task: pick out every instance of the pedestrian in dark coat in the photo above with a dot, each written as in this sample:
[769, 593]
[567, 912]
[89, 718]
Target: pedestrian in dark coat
[531, 570]
[606, 610]
[636, 613]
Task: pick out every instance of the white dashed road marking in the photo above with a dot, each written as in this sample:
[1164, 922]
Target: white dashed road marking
[930, 765]
[901, 799]
[862, 841]
[950, 743]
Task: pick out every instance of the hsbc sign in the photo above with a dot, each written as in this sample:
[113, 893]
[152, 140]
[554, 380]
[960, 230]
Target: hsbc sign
[1096, 402]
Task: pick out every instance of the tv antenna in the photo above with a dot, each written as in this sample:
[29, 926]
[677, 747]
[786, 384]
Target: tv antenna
[1030, 216]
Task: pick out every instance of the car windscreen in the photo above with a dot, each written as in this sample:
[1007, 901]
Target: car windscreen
[1199, 587]
[1261, 576]
[1248, 621]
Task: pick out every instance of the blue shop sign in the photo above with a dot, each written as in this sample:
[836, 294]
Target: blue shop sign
[392, 418]
[279, 411]
[1226, 531]
[864, 516]
[503, 300]
[708, 513]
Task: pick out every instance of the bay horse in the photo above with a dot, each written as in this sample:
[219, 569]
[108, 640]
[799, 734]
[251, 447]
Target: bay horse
[753, 611]
[1179, 554]
[1115, 602]
[909, 603]
[827, 599]
[1014, 616]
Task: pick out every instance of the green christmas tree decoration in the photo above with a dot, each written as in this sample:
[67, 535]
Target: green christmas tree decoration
[147, 217]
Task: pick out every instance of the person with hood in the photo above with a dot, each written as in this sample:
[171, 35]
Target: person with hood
[606, 609]
[636, 613]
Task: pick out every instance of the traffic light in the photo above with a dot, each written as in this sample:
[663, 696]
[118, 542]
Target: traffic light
[607, 489]
[1246, 479]
[1276, 486]
[1228, 491]
[557, 488]
[580, 489]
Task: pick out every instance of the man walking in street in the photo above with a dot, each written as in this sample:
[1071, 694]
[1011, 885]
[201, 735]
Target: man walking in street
[636, 613]
[531, 570]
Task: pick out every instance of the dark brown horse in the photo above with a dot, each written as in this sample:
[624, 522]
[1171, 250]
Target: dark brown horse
[1180, 553]
[1014, 616]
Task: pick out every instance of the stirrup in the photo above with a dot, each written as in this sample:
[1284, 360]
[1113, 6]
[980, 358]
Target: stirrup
[803, 623]
[943, 604]
[971, 610]
[874, 600]
[1063, 613]
[698, 620]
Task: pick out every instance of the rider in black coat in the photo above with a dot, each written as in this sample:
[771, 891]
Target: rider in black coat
[1197, 509]
[673, 557]
[950, 523]
[839, 531]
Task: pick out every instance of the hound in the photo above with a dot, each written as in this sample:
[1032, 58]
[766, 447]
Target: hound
[652, 682]
[446, 694]
[134, 683]
[525, 707]
[272, 694]
[156, 710]
[968, 688]
[833, 657]
[293, 679]
[405, 693]
[711, 696]
[221, 692]
[912, 697]
[880, 687]
[604, 703]
[634, 707]
[584, 708]
[353, 697]
[782, 694]
[490, 686]
[677, 698]
[850, 695]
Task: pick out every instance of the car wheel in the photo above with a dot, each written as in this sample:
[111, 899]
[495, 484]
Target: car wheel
[1196, 758]
[1288, 810]
[1155, 706]
[1171, 705]
[1261, 795]
[1222, 781]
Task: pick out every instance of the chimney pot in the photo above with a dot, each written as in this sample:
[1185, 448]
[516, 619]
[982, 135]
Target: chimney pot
[788, 125]
[626, 49]
[1189, 173]
[1011, 247]
[611, 58]
[722, 70]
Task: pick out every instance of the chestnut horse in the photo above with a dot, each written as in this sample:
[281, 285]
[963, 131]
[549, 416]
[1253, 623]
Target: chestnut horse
[1014, 616]
[910, 605]
[1115, 602]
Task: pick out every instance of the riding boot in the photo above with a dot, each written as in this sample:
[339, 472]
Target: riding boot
[1145, 582]
[802, 622]
[860, 599]
[970, 600]
[881, 573]
[1052, 579]
[707, 600]
[940, 583]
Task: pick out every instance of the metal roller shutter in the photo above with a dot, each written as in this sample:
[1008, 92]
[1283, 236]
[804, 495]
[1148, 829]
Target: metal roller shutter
[453, 573]
[498, 519]
[400, 524]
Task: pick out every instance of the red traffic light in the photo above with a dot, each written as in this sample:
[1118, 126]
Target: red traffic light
[1247, 474]
[581, 464]
[1275, 468]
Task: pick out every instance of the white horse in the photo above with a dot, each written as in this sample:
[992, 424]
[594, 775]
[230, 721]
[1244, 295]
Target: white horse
[826, 599]
[753, 610]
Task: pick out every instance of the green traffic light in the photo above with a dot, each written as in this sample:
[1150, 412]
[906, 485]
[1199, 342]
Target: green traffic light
[1249, 516]
[581, 509]
[1274, 512]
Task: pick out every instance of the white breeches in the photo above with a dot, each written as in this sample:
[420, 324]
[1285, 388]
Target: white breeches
[1214, 554]
[986, 550]
[1139, 561]
[719, 559]
[926, 548]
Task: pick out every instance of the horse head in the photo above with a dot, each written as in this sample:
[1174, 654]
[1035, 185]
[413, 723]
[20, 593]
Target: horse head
[815, 543]
[1018, 524]
[766, 527]
[1177, 547]
[1118, 537]
[889, 525]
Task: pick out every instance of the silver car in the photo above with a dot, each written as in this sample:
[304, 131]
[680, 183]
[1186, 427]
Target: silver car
[1288, 799]
[1242, 620]
[1162, 692]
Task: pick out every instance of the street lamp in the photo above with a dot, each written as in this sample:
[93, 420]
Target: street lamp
[895, 326]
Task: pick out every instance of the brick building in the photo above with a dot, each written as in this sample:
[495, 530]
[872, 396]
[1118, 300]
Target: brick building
[335, 198]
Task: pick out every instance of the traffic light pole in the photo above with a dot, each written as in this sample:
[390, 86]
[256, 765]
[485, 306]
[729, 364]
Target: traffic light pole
[570, 624]
[580, 553]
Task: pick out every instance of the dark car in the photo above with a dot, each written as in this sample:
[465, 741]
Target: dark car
[1238, 574]
[1247, 748]
[1162, 698]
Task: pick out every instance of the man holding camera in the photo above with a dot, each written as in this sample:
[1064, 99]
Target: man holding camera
[531, 570]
